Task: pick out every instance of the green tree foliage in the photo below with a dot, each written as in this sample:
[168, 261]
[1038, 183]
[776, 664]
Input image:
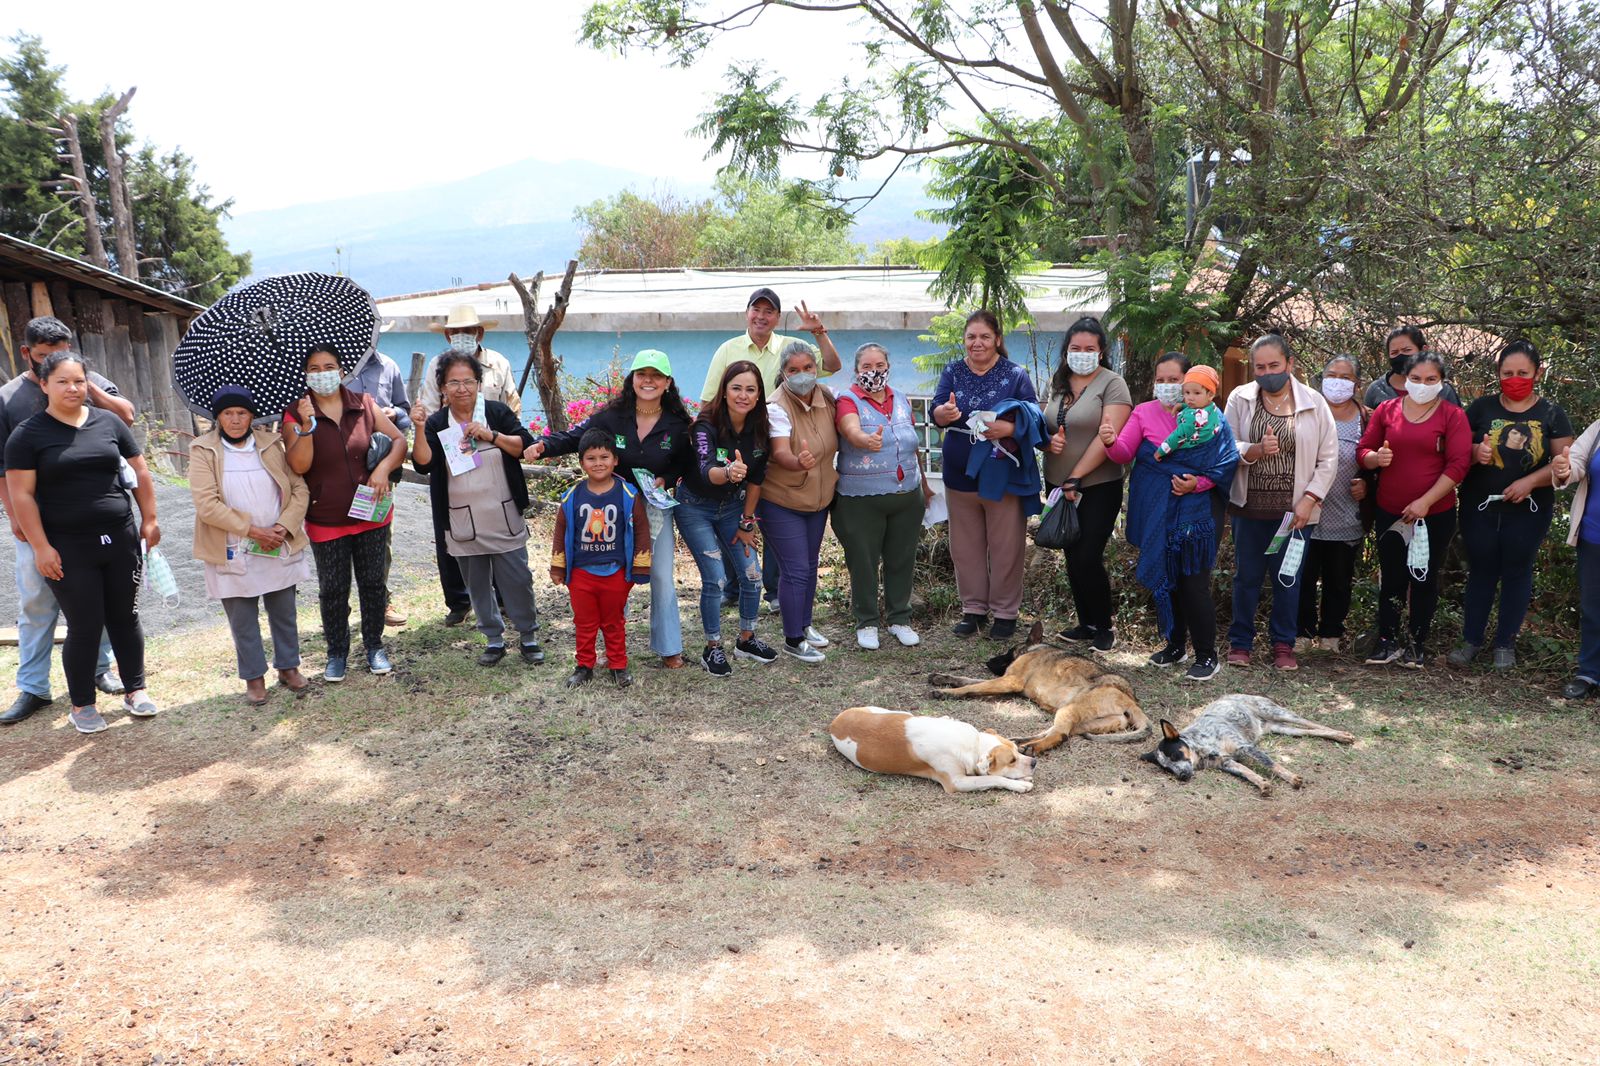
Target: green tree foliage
[748, 223]
[176, 223]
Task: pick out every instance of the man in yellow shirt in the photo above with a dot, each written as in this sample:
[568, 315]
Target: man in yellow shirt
[762, 346]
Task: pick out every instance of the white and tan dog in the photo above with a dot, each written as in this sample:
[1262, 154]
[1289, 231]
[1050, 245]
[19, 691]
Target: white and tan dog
[953, 753]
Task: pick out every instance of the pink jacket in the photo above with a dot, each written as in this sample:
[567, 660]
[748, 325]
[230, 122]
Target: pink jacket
[1149, 422]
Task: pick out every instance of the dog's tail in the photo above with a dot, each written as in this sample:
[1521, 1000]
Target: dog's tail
[1133, 736]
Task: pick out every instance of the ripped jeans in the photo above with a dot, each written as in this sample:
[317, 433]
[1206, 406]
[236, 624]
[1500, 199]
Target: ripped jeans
[707, 527]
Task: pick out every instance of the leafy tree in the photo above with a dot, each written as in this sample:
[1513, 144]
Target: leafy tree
[633, 232]
[759, 225]
[902, 251]
[178, 229]
[28, 169]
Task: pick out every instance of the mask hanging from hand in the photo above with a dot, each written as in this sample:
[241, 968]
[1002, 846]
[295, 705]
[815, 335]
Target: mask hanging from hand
[1294, 554]
[1417, 552]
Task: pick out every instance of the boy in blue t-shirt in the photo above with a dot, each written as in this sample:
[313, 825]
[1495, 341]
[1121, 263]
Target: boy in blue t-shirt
[601, 544]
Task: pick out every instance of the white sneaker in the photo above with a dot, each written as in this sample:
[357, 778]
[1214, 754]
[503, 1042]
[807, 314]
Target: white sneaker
[867, 637]
[815, 639]
[906, 635]
[804, 652]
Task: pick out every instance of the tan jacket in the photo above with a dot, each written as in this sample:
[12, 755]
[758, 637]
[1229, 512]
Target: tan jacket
[811, 490]
[214, 520]
[1316, 442]
[1582, 452]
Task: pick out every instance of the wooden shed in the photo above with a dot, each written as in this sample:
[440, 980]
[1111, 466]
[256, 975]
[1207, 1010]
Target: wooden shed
[125, 330]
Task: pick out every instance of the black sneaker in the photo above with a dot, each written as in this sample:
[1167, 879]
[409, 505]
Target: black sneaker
[456, 615]
[1413, 658]
[1104, 640]
[1171, 655]
[1203, 669]
[1079, 635]
[580, 675]
[755, 649]
[622, 678]
[715, 662]
[492, 654]
[532, 654]
[1002, 629]
[969, 624]
[1383, 652]
[1579, 688]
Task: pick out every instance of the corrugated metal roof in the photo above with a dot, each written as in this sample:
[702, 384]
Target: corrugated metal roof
[856, 297]
[44, 261]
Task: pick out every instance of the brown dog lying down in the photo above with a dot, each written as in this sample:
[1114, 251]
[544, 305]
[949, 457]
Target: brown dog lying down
[1086, 701]
[941, 749]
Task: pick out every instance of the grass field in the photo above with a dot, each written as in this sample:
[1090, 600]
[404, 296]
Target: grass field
[460, 865]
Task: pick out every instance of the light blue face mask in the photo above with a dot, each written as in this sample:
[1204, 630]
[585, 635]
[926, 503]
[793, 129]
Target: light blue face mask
[1417, 552]
[1294, 553]
[465, 343]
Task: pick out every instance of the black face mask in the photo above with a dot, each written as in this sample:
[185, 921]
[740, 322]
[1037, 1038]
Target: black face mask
[1397, 364]
[235, 441]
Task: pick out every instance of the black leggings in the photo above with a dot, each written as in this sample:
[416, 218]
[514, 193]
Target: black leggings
[1195, 615]
[1098, 506]
[364, 553]
[1333, 563]
[99, 590]
[1395, 580]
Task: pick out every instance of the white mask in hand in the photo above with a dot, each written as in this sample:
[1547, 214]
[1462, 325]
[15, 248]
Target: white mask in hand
[1294, 554]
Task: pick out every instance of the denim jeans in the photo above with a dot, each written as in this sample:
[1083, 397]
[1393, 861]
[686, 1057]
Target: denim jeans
[666, 628]
[1502, 542]
[795, 537]
[37, 613]
[1252, 566]
[708, 527]
[1589, 611]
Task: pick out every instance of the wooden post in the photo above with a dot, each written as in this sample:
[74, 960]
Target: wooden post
[13, 362]
[414, 379]
[119, 356]
[18, 310]
[541, 331]
[138, 341]
[61, 304]
[93, 244]
[41, 299]
[121, 206]
[86, 305]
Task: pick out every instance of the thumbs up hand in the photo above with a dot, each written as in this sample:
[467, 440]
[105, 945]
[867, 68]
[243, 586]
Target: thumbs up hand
[875, 441]
[736, 469]
[1108, 435]
[1269, 443]
[805, 458]
[947, 413]
[1385, 455]
[1562, 464]
[1483, 452]
[1058, 440]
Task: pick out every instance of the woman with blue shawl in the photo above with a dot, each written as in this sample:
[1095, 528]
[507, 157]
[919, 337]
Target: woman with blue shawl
[1173, 509]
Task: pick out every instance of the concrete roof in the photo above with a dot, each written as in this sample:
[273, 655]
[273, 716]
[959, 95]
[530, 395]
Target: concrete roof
[859, 297]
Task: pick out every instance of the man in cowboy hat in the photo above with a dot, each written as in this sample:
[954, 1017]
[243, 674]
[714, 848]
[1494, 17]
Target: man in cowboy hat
[464, 331]
[762, 346]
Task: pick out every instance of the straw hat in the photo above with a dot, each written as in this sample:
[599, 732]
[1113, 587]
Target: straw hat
[463, 317]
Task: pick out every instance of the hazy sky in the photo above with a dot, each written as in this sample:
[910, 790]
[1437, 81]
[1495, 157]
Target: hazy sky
[292, 101]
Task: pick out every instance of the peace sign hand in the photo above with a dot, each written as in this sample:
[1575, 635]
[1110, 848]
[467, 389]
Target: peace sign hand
[810, 321]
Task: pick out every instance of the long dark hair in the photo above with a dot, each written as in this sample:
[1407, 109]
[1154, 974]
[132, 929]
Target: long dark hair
[716, 414]
[1061, 380]
[627, 401]
[987, 317]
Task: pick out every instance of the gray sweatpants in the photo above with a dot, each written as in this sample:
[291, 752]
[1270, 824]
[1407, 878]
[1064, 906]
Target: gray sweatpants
[245, 622]
[508, 572]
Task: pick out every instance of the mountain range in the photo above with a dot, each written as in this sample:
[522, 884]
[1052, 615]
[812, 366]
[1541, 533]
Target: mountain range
[516, 217]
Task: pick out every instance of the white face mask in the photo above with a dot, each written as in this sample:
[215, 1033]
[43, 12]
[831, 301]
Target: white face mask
[1417, 552]
[1169, 393]
[465, 343]
[323, 382]
[1294, 554]
[1083, 362]
[1420, 393]
[1338, 390]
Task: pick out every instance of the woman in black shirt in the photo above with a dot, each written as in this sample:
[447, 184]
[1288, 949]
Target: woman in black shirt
[650, 427]
[64, 471]
[716, 508]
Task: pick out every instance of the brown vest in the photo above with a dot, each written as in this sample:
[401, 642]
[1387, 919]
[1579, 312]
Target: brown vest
[339, 461]
[805, 490]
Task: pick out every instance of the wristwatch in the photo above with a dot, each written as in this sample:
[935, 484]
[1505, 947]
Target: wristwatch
[747, 524]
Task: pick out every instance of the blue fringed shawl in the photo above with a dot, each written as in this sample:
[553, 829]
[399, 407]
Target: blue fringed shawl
[1176, 535]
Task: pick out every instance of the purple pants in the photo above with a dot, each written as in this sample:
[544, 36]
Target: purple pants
[797, 538]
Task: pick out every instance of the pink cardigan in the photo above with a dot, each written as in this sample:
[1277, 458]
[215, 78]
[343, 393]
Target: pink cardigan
[1149, 422]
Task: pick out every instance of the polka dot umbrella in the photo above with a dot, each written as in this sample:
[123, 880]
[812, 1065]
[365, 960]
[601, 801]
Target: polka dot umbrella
[258, 335]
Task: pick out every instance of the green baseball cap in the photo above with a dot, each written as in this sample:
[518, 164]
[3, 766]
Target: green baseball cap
[655, 360]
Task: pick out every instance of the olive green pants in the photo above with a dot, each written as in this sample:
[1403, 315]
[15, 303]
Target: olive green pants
[880, 531]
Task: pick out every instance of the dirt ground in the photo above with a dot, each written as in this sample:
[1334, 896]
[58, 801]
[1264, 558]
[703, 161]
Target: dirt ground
[459, 865]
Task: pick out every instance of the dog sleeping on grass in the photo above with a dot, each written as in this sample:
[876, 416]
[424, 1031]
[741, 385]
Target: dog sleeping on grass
[1226, 732]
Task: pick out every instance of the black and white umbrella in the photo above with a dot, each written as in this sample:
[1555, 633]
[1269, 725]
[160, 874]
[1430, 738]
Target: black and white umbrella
[258, 335]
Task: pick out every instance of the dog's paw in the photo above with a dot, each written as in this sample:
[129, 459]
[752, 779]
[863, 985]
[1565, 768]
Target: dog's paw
[1266, 790]
[939, 681]
[1297, 782]
[1022, 786]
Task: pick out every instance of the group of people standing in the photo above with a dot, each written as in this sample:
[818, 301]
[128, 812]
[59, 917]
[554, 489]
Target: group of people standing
[1300, 475]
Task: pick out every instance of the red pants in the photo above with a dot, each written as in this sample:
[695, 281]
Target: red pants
[597, 604]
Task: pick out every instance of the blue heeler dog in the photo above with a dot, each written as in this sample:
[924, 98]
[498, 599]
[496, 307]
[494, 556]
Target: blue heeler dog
[1227, 730]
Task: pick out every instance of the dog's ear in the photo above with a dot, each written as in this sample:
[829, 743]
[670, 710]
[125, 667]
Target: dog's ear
[1148, 756]
[1036, 634]
[1168, 730]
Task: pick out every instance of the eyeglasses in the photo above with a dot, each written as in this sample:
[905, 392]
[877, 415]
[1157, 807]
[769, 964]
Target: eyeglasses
[462, 386]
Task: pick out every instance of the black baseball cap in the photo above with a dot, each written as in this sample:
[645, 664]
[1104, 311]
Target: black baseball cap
[766, 294]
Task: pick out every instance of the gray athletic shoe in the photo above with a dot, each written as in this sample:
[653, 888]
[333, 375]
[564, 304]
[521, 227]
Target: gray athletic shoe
[87, 720]
[1504, 658]
[144, 708]
[1465, 653]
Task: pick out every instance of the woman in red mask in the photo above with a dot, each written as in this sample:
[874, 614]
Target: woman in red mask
[1507, 500]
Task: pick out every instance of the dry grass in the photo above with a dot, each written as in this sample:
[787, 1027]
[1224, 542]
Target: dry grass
[454, 865]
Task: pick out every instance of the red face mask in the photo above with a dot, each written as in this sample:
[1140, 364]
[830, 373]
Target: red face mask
[1516, 389]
